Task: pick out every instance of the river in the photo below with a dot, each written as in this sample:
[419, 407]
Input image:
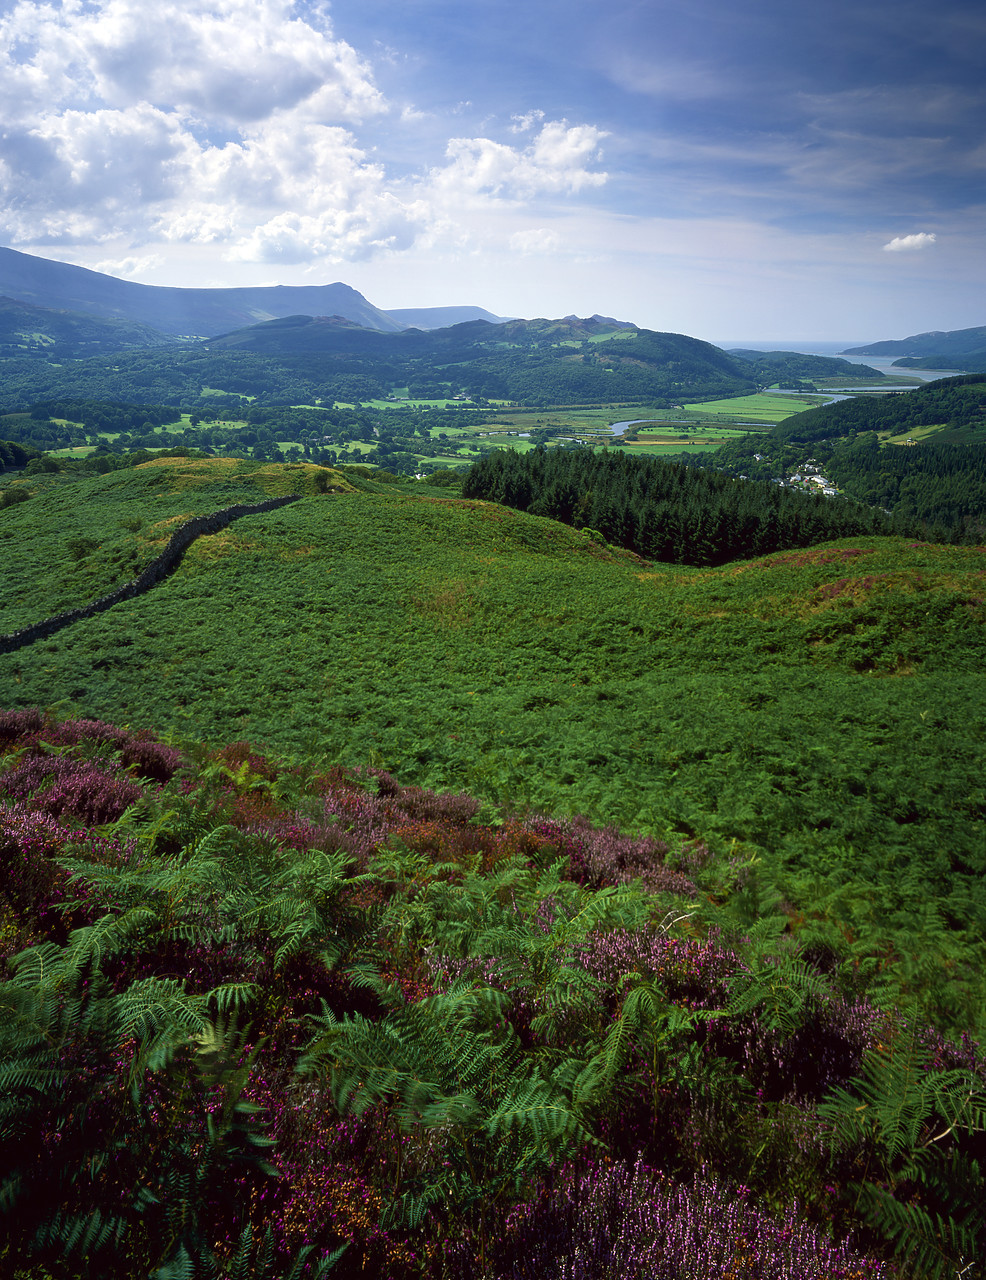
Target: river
[882, 363]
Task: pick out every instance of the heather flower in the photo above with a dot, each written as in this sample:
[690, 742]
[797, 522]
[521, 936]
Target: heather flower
[606, 856]
[617, 1222]
[93, 792]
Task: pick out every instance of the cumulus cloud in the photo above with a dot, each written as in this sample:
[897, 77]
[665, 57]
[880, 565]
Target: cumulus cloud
[232, 60]
[556, 160]
[236, 124]
[908, 244]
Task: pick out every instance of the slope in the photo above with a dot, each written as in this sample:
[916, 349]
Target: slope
[952, 342]
[821, 709]
[27, 330]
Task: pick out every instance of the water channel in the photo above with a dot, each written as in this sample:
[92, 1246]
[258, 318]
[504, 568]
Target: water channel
[885, 364]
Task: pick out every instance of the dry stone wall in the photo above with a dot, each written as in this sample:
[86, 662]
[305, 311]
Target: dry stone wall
[159, 569]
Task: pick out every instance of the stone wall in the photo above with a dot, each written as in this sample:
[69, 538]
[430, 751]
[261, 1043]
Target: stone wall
[159, 569]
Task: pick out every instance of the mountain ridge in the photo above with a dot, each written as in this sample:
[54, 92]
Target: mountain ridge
[177, 312]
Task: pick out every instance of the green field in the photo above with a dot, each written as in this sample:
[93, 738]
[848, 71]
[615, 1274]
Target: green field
[763, 407]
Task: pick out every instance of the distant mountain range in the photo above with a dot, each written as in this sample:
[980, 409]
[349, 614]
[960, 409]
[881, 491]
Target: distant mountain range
[175, 313]
[442, 317]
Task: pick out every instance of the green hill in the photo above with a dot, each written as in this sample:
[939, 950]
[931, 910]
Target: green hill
[794, 365]
[953, 342]
[953, 402]
[27, 330]
[300, 359]
[820, 710]
[563, 361]
[973, 362]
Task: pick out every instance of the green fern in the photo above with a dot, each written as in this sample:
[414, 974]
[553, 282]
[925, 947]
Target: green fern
[910, 1123]
[450, 1065]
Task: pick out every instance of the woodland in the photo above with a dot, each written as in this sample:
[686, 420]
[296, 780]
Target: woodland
[413, 886]
[665, 511]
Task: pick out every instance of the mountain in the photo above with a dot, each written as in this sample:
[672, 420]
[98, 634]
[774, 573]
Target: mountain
[540, 361]
[28, 330]
[176, 312]
[441, 317]
[953, 342]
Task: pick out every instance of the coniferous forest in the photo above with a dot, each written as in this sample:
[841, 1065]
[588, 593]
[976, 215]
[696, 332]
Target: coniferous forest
[667, 511]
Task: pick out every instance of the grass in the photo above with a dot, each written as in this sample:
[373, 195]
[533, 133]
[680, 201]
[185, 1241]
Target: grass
[762, 407]
[819, 711]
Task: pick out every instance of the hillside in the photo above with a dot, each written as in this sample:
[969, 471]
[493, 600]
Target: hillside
[951, 402]
[302, 359]
[27, 330]
[771, 366]
[539, 361]
[271, 1020]
[494, 897]
[953, 342]
[973, 362]
[463, 645]
[917, 455]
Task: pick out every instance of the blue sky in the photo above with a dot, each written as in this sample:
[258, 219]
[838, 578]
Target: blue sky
[734, 171]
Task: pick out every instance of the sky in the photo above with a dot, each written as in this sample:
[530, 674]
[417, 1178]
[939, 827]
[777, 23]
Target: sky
[734, 171]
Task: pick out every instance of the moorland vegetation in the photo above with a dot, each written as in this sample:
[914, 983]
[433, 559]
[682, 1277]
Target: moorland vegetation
[267, 1020]
[578, 873]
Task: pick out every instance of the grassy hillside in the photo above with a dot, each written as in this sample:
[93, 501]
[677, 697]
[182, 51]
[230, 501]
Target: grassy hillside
[814, 715]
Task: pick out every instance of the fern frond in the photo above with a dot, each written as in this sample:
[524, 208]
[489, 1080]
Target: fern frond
[540, 1117]
[89, 946]
[932, 1247]
[80, 1233]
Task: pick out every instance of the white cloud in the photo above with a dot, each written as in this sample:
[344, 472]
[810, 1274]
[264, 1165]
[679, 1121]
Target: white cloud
[536, 241]
[241, 125]
[908, 244]
[129, 268]
[521, 124]
[231, 60]
[556, 160]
